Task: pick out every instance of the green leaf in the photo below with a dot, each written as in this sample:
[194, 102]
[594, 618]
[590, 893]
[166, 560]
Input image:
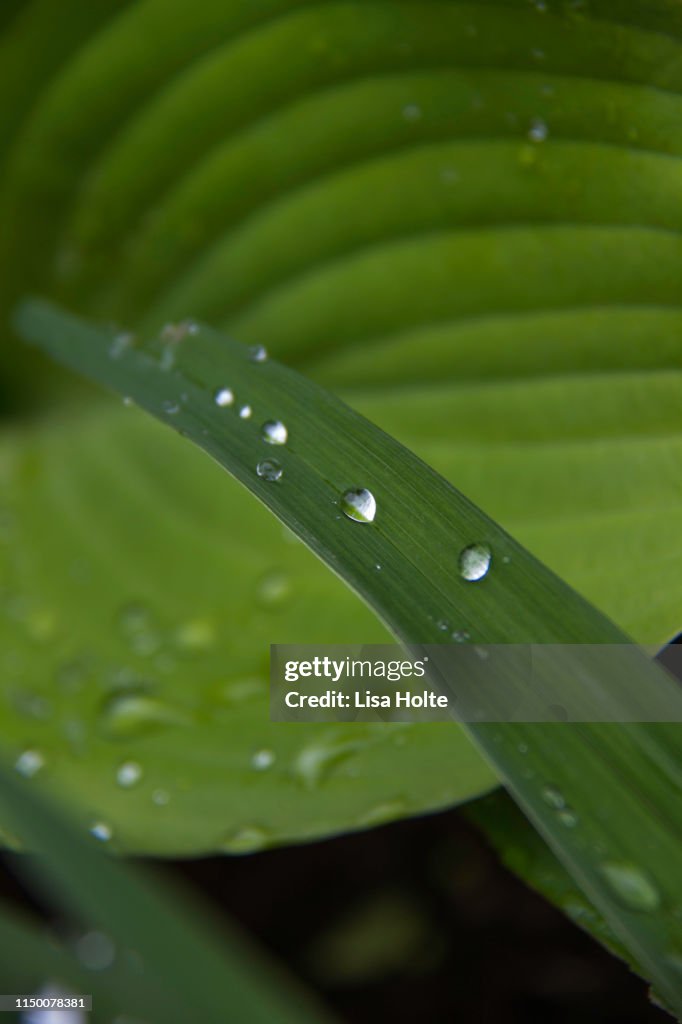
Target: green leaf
[140, 592]
[171, 962]
[619, 782]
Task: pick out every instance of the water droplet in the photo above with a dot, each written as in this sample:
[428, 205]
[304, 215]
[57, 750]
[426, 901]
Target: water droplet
[634, 889]
[317, 760]
[195, 636]
[568, 817]
[170, 407]
[129, 774]
[274, 432]
[175, 333]
[554, 797]
[100, 830]
[538, 131]
[139, 629]
[383, 813]
[96, 951]
[248, 839]
[359, 505]
[443, 625]
[412, 112]
[120, 344]
[29, 763]
[136, 713]
[462, 636]
[245, 412]
[262, 760]
[474, 562]
[269, 469]
[258, 354]
[224, 397]
[273, 589]
[161, 797]
[128, 401]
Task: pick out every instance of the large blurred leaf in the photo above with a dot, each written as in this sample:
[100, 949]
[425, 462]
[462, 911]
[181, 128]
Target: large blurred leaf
[594, 788]
[140, 592]
[464, 215]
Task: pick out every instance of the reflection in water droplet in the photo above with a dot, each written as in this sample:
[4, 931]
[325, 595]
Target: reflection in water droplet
[631, 886]
[248, 839]
[129, 774]
[100, 830]
[359, 505]
[474, 562]
[274, 432]
[224, 397]
[29, 763]
[269, 469]
[262, 760]
[258, 354]
[245, 412]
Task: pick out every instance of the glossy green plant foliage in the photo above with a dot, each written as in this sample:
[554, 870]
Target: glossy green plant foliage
[593, 789]
[465, 218]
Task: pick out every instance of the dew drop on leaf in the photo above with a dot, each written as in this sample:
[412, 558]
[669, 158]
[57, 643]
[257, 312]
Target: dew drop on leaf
[245, 412]
[359, 505]
[631, 886]
[269, 469]
[100, 830]
[258, 354]
[170, 407]
[262, 760]
[553, 797]
[29, 763]
[248, 839]
[538, 131]
[120, 344]
[129, 774]
[274, 432]
[474, 562]
[224, 397]
[161, 797]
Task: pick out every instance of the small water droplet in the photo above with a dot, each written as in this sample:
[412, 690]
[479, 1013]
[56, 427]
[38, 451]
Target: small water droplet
[29, 763]
[120, 344]
[136, 713]
[269, 469]
[195, 636]
[522, 748]
[568, 817]
[161, 797]
[274, 432]
[412, 112]
[631, 886]
[248, 839]
[262, 760]
[317, 760]
[100, 830]
[258, 354]
[462, 636]
[553, 797]
[170, 407]
[96, 951]
[474, 562]
[129, 774]
[175, 333]
[245, 412]
[359, 505]
[273, 589]
[128, 401]
[382, 813]
[443, 625]
[538, 131]
[224, 397]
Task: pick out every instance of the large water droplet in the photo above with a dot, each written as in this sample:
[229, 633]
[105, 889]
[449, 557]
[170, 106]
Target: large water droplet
[274, 432]
[359, 505]
[474, 562]
[129, 774]
[258, 354]
[224, 397]
[29, 763]
[269, 469]
[631, 886]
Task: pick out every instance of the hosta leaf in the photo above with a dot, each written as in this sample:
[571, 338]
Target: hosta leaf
[135, 643]
[593, 790]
